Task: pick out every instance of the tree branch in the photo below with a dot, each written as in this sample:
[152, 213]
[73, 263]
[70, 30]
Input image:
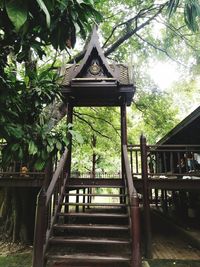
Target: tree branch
[130, 33]
[140, 14]
[126, 36]
[99, 118]
[90, 125]
[177, 32]
[160, 49]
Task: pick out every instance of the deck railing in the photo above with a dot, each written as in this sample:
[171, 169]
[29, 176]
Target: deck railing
[163, 162]
[48, 203]
[134, 211]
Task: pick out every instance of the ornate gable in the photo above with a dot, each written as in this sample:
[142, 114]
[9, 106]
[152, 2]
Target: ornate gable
[94, 64]
[95, 82]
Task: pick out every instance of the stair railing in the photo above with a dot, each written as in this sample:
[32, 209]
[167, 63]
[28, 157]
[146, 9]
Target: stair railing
[48, 202]
[134, 211]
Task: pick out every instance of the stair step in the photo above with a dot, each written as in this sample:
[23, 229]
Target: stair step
[95, 195]
[91, 227]
[95, 204]
[88, 258]
[96, 214]
[87, 240]
[94, 183]
[80, 186]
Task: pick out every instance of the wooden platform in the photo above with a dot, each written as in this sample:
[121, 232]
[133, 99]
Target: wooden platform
[19, 181]
[169, 183]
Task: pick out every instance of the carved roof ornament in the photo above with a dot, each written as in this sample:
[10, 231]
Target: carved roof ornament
[94, 60]
[94, 81]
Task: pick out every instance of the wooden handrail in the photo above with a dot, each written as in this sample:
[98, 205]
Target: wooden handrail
[56, 175]
[134, 211]
[48, 204]
[132, 191]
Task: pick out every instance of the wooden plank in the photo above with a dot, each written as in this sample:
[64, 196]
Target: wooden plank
[84, 214]
[95, 204]
[170, 184]
[99, 182]
[92, 227]
[69, 258]
[88, 240]
[22, 182]
[95, 195]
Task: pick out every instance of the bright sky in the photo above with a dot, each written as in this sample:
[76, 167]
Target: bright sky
[164, 74]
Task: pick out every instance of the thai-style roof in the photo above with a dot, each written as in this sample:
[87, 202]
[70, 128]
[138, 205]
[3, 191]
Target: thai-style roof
[186, 132]
[94, 81]
[122, 69]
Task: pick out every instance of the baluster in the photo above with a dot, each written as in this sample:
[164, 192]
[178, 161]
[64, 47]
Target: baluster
[146, 204]
[40, 230]
[136, 161]
[135, 225]
[171, 162]
[83, 199]
[77, 200]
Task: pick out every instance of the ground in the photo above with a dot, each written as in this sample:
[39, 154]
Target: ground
[15, 255]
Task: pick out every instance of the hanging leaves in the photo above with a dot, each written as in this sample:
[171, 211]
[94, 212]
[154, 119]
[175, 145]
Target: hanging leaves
[44, 8]
[172, 6]
[17, 12]
[191, 12]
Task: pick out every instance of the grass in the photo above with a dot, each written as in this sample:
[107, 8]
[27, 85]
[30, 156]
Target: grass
[17, 260]
[174, 263]
[24, 260]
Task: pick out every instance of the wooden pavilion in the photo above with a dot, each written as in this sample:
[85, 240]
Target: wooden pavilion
[80, 232]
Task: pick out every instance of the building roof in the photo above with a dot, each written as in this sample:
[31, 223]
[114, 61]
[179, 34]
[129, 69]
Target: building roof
[186, 132]
[95, 82]
[124, 77]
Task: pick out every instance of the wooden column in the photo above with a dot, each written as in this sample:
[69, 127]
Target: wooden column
[69, 136]
[123, 132]
[146, 203]
[123, 142]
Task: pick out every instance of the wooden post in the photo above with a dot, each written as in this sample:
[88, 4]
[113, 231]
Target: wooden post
[135, 215]
[146, 204]
[123, 141]
[48, 173]
[40, 228]
[69, 136]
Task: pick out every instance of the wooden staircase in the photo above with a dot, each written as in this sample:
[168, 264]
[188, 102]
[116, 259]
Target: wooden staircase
[87, 222]
[92, 225]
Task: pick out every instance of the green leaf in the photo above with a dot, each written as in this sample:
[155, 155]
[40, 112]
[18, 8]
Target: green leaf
[39, 164]
[172, 7]
[59, 146]
[15, 147]
[44, 8]
[17, 12]
[32, 148]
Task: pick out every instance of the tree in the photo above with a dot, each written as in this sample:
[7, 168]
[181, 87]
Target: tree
[27, 28]
[100, 129]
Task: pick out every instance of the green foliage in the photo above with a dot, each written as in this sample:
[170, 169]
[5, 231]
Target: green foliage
[26, 29]
[24, 124]
[154, 115]
[100, 129]
[17, 12]
[34, 24]
[191, 12]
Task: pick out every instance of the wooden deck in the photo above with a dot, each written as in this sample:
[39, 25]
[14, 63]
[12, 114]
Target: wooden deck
[36, 180]
[15, 180]
[169, 183]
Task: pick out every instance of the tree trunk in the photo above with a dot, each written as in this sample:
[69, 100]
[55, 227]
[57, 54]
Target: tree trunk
[17, 211]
